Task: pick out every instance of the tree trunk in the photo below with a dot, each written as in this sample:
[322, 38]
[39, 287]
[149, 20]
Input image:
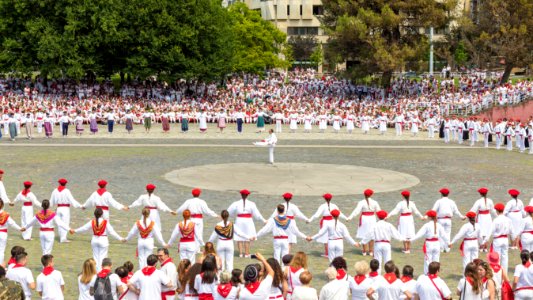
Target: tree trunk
[122, 78]
[506, 73]
[385, 80]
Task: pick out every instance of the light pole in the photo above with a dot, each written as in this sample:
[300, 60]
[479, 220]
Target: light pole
[430, 50]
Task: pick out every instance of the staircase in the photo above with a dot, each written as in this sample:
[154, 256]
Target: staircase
[522, 111]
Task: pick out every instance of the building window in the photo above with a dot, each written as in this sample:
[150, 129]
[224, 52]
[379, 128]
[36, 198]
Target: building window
[302, 30]
[318, 10]
[288, 10]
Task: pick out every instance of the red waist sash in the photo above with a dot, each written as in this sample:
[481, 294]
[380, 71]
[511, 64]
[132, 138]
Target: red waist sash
[244, 215]
[103, 207]
[47, 229]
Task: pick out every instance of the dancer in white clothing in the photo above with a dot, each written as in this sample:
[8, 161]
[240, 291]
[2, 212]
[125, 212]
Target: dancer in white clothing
[501, 232]
[189, 239]
[198, 208]
[153, 203]
[471, 235]
[434, 235]
[5, 222]
[101, 229]
[63, 199]
[223, 234]
[484, 208]
[291, 211]
[3, 194]
[28, 200]
[446, 208]
[366, 209]
[335, 231]
[324, 212]
[145, 229]
[406, 223]
[514, 210]
[168, 268]
[526, 230]
[103, 199]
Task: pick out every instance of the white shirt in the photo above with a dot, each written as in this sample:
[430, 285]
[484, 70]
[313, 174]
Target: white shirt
[3, 194]
[105, 200]
[501, 225]
[169, 268]
[23, 276]
[446, 207]
[428, 231]
[383, 231]
[30, 197]
[63, 197]
[388, 291]
[335, 232]
[150, 201]
[335, 290]
[359, 290]
[83, 289]
[150, 285]
[155, 231]
[205, 288]
[467, 231]
[245, 207]
[304, 293]
[231, 296]
[292, 212]
[50, 286]
[426, 290]
[363, 206]
[261, 293]
[278, 231]
[468, 292]
[196, 206]
[176, 233]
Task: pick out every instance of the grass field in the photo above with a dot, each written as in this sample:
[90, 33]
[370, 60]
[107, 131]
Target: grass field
[128, 169]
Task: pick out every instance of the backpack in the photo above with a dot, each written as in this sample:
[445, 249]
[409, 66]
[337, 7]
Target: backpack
[102, 289]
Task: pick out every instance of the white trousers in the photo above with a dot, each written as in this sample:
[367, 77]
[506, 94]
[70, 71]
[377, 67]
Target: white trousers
[199, 228]
[100, 245]
[509, 143]
[63, 213]
[523, 295]
[40, 126]
[3, 243]
[278, 126]
[335, 249]
[460, 139]
[188, 251]
[527, 241]
[432, 254]
[225, 249]
[501, 246]
[382, 252]
[486, 139]
[47, 241]
[447, 226]
[530, 145]
[25, 217]
[154, 215]
[446, 135]
[431, 131]
[398, 127]
[281, 248]
[498, 140]
[145, 247]
[271, 154]
[471, 252]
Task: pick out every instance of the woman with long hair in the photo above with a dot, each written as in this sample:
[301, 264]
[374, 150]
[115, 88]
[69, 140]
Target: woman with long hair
[470, 287]
[489, 285]
[185, 231]
[279, 287]
[484, 208]
[335, 232]
[86, 279]
[471, 234]
[223, 235]
[434, 235]
[183, 269]
[324, 212]
[145, 229]
[206, 282]
[190, 292]
[244, 211]
[524, 282]
[101, 230]
[366, 209]
[406, 223]
[291, 211]
[526, 230]
[209, 250]
[46, 218]
[292, 273]
[514, 210]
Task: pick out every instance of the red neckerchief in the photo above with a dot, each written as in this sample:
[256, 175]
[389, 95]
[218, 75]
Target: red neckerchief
[104, 273]
[496, 268]
[130, 275]
[293, 269]
[48, 270]
[124, 280]
[484, 279]
[373, 274]
[12, 261]
[359, 278]
[45, 216]
[101, 191]
[341, 274]
[405, 279]
[147, 271]
[224, 289]
[166, 262]
[470, 280]
[18, 266]
[527, 264]
[390, 277]
[25, 192]
[61, 188]
[432, 276]
[252, 287]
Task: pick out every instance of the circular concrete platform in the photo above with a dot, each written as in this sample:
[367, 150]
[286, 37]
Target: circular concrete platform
[298, 178]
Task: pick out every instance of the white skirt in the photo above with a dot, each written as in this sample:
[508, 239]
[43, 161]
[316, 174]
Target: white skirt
[323, 125]
[365, 126]
[484, 221]
[349, 126]
[293, 125]
[366, 226]
[406, 226]
[246, 226]
[336, 125]
[307, 125]
[516, 221]
[325, 238]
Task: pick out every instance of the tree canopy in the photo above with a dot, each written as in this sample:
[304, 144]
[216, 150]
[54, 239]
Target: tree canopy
[170, 39]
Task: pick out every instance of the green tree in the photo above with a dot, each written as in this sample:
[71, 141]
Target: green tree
[317, 56]
[382, 35]
[303, 46]
[460, 54]
[258, 43]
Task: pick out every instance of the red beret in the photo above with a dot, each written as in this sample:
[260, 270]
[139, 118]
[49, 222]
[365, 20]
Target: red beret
[514, 193]
[528, 209]
[335, 213]
[381, 214]
[245, 192]
[1, 171]
[197, 192]
[287, 196]
[327, 196]
[150, 187]
[470, 214]
[499, 206]
[483, 191]
[431, 213]
[28, 183]
[444, 191]
[406, 193]
[62, 181]
[102, 183]
[368, 192]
